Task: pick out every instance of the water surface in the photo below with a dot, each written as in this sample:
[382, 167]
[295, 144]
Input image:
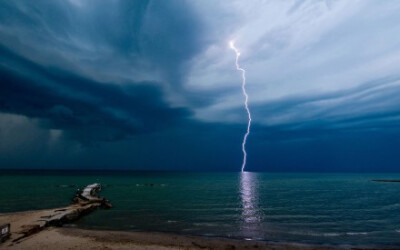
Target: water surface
[308, 208]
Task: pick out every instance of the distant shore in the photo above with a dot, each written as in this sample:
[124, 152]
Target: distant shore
[72, 238]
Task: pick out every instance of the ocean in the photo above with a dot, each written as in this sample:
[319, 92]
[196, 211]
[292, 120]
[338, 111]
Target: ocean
[337, 209]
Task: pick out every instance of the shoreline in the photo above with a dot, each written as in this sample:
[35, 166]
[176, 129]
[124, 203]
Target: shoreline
[184, 241]
[78, 238]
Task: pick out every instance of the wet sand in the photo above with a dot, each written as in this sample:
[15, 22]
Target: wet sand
[71, 238]
[67, 238]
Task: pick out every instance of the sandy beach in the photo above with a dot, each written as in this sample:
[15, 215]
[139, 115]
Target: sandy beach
[65, 238]
[73, 238]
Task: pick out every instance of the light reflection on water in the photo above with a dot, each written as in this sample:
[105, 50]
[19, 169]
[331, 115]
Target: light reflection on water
[251, 216]
[308, 208]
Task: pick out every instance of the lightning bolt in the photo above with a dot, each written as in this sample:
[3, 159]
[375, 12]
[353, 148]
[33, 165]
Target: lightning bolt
[246, 99]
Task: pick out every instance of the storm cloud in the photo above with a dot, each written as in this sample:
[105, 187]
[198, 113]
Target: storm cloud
[152, 84]
[86, 109]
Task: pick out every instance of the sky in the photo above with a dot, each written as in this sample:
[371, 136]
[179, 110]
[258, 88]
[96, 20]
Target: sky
[152, 85]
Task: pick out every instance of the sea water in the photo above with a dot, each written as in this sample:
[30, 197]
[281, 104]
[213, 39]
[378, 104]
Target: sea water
[292, 207]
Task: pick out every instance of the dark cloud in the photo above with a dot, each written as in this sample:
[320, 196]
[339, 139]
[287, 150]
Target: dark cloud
[112, 24]
[54, 54]
[354, 108]
[152, 35]
[102, 84]
[86, 109]
[171, 35]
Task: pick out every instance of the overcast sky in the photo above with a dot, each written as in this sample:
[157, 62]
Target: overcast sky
[152, 84]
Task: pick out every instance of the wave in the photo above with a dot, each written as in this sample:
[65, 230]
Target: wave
[332, 234]
[206, 224]
[356, 233]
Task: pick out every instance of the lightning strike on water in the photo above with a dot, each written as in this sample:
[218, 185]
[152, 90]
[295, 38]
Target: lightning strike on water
[246, 106]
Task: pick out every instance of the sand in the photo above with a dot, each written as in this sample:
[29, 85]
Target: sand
[72, 238]
[66, 238]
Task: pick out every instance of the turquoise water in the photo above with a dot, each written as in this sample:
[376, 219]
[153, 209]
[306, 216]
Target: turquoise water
[309, 208]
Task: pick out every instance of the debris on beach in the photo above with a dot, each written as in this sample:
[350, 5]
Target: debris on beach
[4, 232]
